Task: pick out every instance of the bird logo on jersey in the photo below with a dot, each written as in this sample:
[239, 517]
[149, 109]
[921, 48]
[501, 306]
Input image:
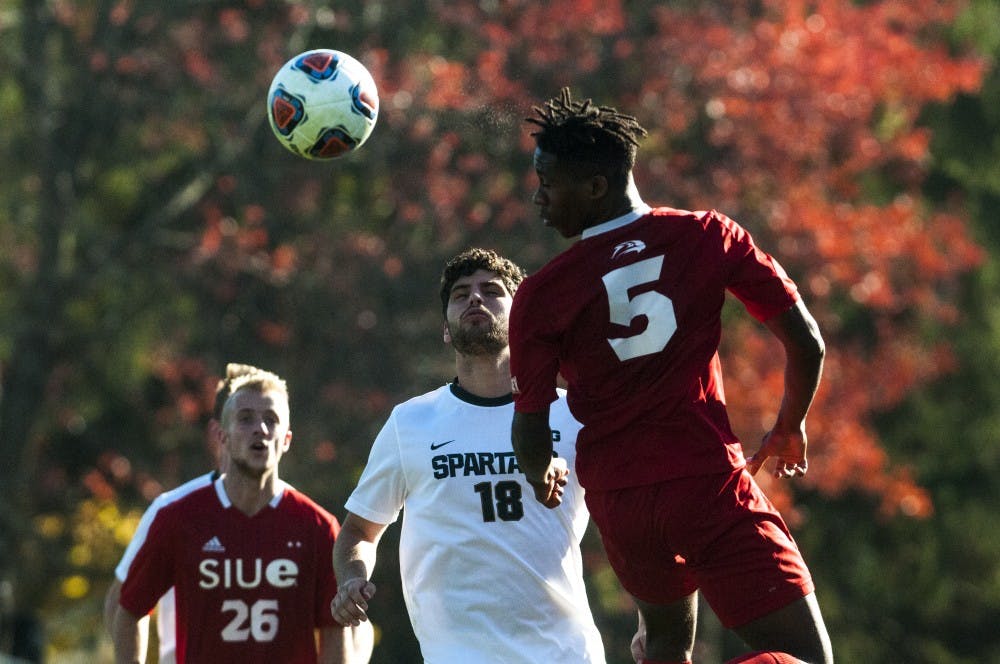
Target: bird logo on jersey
[631, 246]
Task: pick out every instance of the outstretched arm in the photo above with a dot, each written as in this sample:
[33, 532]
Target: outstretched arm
[354, 555]
[798, 332]
[531, 438]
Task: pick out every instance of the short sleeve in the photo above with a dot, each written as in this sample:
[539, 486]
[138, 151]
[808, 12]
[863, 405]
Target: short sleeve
[382, 488]
[755, 277]
[141, 532]
[534, 353]
[151, 572]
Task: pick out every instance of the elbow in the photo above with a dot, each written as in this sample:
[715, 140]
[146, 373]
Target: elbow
[819, 347]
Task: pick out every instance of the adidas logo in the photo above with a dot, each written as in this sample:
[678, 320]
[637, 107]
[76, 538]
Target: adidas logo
[213, 546]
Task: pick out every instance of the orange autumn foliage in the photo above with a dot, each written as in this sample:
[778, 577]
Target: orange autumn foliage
[800, 120]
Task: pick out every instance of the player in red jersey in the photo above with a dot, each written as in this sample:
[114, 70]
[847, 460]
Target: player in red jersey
[165, 619]
[630, 316]
[250, 558]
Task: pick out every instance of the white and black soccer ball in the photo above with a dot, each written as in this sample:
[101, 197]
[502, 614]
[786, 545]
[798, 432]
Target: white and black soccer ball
[322, 104]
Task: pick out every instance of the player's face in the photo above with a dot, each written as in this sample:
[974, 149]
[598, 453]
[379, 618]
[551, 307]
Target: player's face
[565, 200]
[257, 434]
[477, 314]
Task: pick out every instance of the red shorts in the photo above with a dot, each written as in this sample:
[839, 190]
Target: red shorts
[718, 534]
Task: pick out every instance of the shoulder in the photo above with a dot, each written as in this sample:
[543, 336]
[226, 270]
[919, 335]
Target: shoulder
[192, 497]
[422, 404]
[295, 501]
[705, 220]
[183, 490]
[184, 508]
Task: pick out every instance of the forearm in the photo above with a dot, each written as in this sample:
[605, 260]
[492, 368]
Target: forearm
[804, 354]
[531, 438]
[129, 639]
[353, 556]
[346, 645]
[111, 606]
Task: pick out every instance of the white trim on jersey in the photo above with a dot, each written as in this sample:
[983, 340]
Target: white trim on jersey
[220, 491]
[165, 612]
[161, 501]
[489, 574]
[637, 212]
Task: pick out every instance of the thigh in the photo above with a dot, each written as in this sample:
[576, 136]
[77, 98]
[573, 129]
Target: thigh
[751, 566]
[644, 558]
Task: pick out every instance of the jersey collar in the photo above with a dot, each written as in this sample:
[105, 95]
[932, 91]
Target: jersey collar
[468, 397]
[637, 212]
[220, 491]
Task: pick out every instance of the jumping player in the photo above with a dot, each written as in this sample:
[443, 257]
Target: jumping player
[489, 575]
[630, 315]
[250, 558]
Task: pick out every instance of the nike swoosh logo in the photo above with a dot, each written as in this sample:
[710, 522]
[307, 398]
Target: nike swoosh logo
[435, 446]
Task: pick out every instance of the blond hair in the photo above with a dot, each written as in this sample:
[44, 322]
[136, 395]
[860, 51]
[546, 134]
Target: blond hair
[258, 381]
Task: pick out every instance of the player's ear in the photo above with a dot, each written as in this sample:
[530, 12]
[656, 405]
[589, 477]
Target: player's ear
[598, 186]
[288, 441]
[447, 333]
[217, 432]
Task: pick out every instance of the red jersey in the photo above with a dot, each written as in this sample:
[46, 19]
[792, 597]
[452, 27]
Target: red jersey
[630, 315]
[249, 588]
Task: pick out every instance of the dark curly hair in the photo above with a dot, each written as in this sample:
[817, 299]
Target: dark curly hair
[596, 139]
[474, 259]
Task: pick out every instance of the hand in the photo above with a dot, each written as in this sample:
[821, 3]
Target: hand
[788, 448]
[549, 491]
[638, 646]
[350, 606]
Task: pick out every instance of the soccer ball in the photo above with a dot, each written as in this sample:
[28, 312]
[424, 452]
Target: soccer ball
[322, 104]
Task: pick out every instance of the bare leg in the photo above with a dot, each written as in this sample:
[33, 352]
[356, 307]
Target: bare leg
[796, 629]
[669, 630]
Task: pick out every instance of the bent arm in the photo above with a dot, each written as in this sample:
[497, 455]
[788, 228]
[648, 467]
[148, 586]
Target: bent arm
[112, 607]
[130, 641]
[531, 437]
[799, 334]
[354, 555]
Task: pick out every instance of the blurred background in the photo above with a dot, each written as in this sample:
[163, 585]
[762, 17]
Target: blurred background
[152, 229]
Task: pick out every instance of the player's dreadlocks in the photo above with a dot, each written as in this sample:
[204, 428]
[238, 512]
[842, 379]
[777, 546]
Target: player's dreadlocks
[580, 131]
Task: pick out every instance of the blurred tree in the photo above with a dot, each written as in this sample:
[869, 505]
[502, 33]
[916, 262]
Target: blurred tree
[151, 230]
[937, 581]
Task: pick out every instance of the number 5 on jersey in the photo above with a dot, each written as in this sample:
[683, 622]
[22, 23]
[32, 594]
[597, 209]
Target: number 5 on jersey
[656, 307]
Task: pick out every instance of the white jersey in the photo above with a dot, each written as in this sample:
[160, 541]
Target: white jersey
[166, 619]
[489, 574]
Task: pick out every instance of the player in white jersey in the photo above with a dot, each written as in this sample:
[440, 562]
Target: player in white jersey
[489, 575]
[166, 609]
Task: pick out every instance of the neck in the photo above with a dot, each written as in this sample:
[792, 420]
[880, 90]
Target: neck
[484, 376]
[620, 204]
[248, 493]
